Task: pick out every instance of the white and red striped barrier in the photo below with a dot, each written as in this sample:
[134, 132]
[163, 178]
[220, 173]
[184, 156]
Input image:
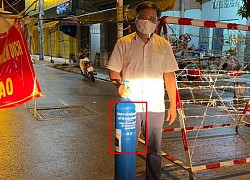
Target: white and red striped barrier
[203, 23]
[246, 108]
[170, 158]
[220, 164]
[189, 167]
[195, 128]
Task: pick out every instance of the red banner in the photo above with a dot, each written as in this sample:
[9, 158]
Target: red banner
[18, 83]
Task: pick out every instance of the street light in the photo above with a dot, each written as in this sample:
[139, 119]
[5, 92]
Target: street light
[119, 11]
[3, 5]
[41, 38]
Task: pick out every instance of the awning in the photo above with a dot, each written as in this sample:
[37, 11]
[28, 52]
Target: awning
[163, 6]
[109, 15]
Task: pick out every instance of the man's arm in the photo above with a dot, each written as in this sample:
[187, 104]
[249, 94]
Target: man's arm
[170, 84]
[115, 78]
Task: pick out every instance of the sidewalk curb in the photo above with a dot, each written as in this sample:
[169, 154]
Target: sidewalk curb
[74, 68]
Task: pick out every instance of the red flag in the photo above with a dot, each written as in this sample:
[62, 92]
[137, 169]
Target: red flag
[18, 82]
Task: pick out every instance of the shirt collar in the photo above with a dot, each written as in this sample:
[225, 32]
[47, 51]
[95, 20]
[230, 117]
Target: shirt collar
[137, 38]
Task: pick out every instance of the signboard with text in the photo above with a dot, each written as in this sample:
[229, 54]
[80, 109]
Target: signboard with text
[64, 7]
[18, 83]
[227, 3]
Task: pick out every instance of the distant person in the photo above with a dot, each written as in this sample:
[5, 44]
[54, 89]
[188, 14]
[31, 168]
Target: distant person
[231, 63]
[146, 60]
[84, 58]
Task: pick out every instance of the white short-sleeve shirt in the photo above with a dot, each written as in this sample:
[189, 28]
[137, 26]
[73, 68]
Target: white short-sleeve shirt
[143, 65]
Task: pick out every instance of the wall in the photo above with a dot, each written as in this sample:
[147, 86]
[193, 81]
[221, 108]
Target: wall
[227, 15]
[95, 42]
[208, 12]
[220, 14]
[108, 33]
[56, 44]
[189, 4]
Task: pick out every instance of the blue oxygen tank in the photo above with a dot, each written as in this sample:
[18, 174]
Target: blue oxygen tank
[125, 140]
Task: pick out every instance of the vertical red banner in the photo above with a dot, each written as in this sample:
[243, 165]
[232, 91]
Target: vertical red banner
[18, 82]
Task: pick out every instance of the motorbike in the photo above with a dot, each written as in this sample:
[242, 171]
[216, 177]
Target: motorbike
[87, 69]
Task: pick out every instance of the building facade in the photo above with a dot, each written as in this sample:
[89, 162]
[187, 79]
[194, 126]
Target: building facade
[99, 38]
[216, 41]
[61, 38]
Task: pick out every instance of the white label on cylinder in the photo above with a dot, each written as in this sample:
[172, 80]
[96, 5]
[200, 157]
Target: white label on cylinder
[118, 143]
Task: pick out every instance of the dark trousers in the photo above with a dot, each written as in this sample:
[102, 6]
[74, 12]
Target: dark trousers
[153, 132]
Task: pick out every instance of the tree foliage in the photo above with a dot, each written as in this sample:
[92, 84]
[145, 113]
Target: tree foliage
[244, 11]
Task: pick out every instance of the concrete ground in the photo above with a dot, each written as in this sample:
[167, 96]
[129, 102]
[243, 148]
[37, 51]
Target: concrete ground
[208, 139]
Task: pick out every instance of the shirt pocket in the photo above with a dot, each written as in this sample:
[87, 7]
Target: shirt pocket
[157, 62]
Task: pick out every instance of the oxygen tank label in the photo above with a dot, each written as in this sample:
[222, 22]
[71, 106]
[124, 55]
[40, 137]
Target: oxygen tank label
[118, 135]
[127, 121]
[122, 138]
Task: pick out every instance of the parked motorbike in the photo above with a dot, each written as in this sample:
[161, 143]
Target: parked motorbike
[87, 69]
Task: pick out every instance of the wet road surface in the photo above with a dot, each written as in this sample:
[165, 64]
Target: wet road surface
[69, 137]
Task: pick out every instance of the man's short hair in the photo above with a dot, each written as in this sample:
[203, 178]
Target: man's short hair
[148, 5]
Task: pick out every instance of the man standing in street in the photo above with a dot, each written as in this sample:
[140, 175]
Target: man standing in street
[145, 61]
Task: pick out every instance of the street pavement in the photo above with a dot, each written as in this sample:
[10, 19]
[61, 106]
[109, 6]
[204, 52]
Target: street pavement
[69, 137]
[66, 65]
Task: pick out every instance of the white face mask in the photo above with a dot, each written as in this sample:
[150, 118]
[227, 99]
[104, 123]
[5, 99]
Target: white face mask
[145, 26]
